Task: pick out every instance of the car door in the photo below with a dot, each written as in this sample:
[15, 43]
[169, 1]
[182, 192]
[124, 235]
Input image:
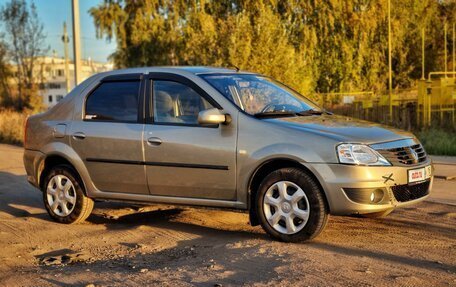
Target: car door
[109, 137]
[183, 158]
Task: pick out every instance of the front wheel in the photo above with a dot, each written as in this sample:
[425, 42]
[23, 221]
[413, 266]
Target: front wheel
[291, 206]
[64, 196]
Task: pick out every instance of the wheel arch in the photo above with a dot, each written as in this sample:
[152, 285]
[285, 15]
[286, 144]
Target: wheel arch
[266, 168]
[56, 159]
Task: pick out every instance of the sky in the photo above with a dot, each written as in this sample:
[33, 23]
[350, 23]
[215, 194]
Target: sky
[53, 13]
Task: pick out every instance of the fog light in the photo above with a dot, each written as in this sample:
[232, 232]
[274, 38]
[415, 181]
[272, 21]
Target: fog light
[376, 196]
[366, 195]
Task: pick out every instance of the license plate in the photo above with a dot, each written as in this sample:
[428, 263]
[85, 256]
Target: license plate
[419, 174]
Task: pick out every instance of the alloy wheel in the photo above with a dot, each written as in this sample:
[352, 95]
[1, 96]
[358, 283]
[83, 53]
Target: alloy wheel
[61, 195]
[286, 207]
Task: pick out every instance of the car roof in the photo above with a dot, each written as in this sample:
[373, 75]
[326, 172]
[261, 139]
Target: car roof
[204, 69]
[196, 70]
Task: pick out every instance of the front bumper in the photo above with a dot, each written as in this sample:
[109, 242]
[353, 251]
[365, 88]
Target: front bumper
[338, 179]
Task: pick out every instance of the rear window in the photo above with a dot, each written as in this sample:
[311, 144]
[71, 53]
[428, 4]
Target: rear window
[114, 101]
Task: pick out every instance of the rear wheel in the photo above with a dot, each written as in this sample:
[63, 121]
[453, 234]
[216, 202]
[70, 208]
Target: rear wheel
[291, 206]
[64, 196]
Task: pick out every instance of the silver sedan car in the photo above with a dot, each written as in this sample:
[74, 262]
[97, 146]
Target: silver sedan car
[220, 138]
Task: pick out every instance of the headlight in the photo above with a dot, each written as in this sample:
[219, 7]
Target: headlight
[360, 155]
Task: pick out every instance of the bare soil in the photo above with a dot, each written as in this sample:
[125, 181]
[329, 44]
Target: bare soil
[125, 245]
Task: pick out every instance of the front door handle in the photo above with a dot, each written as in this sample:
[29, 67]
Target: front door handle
[154, 141]
[79, 136]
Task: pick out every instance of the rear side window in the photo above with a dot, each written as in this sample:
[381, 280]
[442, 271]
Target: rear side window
[114, 101]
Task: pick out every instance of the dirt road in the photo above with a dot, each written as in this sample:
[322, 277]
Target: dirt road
[128, 245]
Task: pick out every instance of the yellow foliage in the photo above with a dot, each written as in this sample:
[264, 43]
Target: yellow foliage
[12, 126]
[318, 45]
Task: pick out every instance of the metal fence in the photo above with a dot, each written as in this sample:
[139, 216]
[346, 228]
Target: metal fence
[433, 103]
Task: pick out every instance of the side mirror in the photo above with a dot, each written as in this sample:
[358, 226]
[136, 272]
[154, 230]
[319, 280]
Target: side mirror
[212, 117]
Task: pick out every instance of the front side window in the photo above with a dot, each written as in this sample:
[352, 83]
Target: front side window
[114, 101]
[174, 102]
[258, 94]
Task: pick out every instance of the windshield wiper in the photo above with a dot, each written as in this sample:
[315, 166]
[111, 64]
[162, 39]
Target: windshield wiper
[272, 114]
[310, 112]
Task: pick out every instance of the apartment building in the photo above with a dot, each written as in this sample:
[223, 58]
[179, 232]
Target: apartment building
[53, 80]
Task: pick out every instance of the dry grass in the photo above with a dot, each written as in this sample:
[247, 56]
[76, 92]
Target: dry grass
[12, 127]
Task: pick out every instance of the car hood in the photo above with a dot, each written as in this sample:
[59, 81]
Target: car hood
[343, 129]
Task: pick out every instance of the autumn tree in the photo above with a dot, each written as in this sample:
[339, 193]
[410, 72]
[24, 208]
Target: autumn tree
[25, 41]
[318, 45]
[5, 75]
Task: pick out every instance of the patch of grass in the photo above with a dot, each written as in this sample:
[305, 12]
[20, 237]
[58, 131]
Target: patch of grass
[438, 141]
[12, 127]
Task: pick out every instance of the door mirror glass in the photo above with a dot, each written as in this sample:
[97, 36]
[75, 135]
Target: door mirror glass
[211, 117]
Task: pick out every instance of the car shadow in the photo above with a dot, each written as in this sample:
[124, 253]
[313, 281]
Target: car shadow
[166, 219]
[18, 197]
[135, 219]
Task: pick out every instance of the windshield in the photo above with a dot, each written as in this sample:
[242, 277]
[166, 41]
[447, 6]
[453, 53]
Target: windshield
[256, 94]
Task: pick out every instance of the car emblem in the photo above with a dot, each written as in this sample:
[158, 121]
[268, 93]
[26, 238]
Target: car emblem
[413, 155]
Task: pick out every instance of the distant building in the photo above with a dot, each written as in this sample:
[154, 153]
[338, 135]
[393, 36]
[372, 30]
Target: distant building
[50, 72]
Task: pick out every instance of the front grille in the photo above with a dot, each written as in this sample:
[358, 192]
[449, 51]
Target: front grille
[404, 156]
[407, 192]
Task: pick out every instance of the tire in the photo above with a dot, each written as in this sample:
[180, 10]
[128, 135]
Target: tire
[304, 205]
[65, 202]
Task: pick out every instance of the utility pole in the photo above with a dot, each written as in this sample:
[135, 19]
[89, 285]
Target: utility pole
[76, 44]
[390, 73]
[66, 40]
[446, 57]
[423, 77]
[454, 63]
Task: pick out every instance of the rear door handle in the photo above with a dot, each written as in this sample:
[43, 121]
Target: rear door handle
[154, 141]
[79, 136]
